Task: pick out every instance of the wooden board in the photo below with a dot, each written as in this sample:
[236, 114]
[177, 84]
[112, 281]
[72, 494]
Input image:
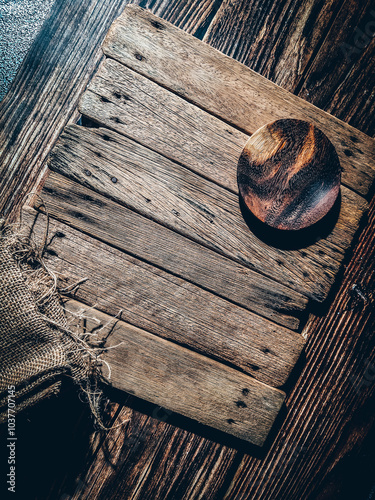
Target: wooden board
[124, 101]
[169, 306]
[148, 186]
[118, 226]
[151, 458]
[228, 89]
[172, 195]
[183, 381]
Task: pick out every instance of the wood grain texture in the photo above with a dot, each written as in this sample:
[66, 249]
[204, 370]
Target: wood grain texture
[43, 97]
[341, 79]
[189, 15]
[228, 89]
[151, 458]
[168, 306]
[188, 383]
[289, 174]
[333, 394]
[322, 51]
[185, 202]
[171, 462]
[276, 39]
[136, 107]
[112, 223]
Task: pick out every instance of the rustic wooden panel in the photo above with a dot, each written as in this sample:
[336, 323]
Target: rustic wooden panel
[172, 195]
[276, 39]
[227, 89]
[170, 307]
[132, 105]
[44, 97]
[188, 383]
[45, 92]
[100, 217]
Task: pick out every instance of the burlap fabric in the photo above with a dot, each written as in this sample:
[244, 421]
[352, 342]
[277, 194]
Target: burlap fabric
[35, 347]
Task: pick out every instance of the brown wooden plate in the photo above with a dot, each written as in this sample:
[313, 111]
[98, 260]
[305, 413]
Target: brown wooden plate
[289, 174]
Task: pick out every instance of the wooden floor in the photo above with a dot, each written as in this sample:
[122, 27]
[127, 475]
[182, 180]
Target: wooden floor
[322, 446]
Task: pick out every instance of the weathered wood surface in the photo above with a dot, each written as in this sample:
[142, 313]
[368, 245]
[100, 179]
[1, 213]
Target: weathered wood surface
[332, 399]
[120, 227]
[228, 89]
[188, 383]
[151, 458]
[164, 191]
[134, 106]
[169, 306]
[44, 97]
[341, 78]
[322, 51]
[170, 462]
[189, 15]
[276, 39]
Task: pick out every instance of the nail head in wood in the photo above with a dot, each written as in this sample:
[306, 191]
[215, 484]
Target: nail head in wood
[289, 174]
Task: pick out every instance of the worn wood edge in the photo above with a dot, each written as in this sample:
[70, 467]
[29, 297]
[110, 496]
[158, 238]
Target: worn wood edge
[97, 216]
[41, 89]
[104, 150]
[123, 100]
[165, 305]
[357, 155]
[186, 382]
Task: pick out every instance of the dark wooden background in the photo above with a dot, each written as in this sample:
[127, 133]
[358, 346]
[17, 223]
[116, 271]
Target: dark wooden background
[323, 445]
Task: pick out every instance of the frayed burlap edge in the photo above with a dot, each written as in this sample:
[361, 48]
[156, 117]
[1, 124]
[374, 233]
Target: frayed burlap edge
[37, 348]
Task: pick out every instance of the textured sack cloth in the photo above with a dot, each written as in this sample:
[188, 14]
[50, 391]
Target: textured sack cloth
[35, 346]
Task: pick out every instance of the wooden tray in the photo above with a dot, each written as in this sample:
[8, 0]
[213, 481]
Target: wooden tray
[144, 199]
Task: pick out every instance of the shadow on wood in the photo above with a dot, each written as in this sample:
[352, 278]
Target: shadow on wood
[292, 240]
[193, 426]
[54, 440]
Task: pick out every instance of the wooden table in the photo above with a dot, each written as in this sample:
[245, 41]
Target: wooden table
[321, 435]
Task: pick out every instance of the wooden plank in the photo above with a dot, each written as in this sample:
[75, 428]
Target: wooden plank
[134, 106]
[172, 195]
[170, 307]
[188, 383]
[276, 39]
[228, 89]
[153, 459]
[44, 96]
[112, 223]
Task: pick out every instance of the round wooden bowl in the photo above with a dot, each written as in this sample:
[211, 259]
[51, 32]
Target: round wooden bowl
[289, 174]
